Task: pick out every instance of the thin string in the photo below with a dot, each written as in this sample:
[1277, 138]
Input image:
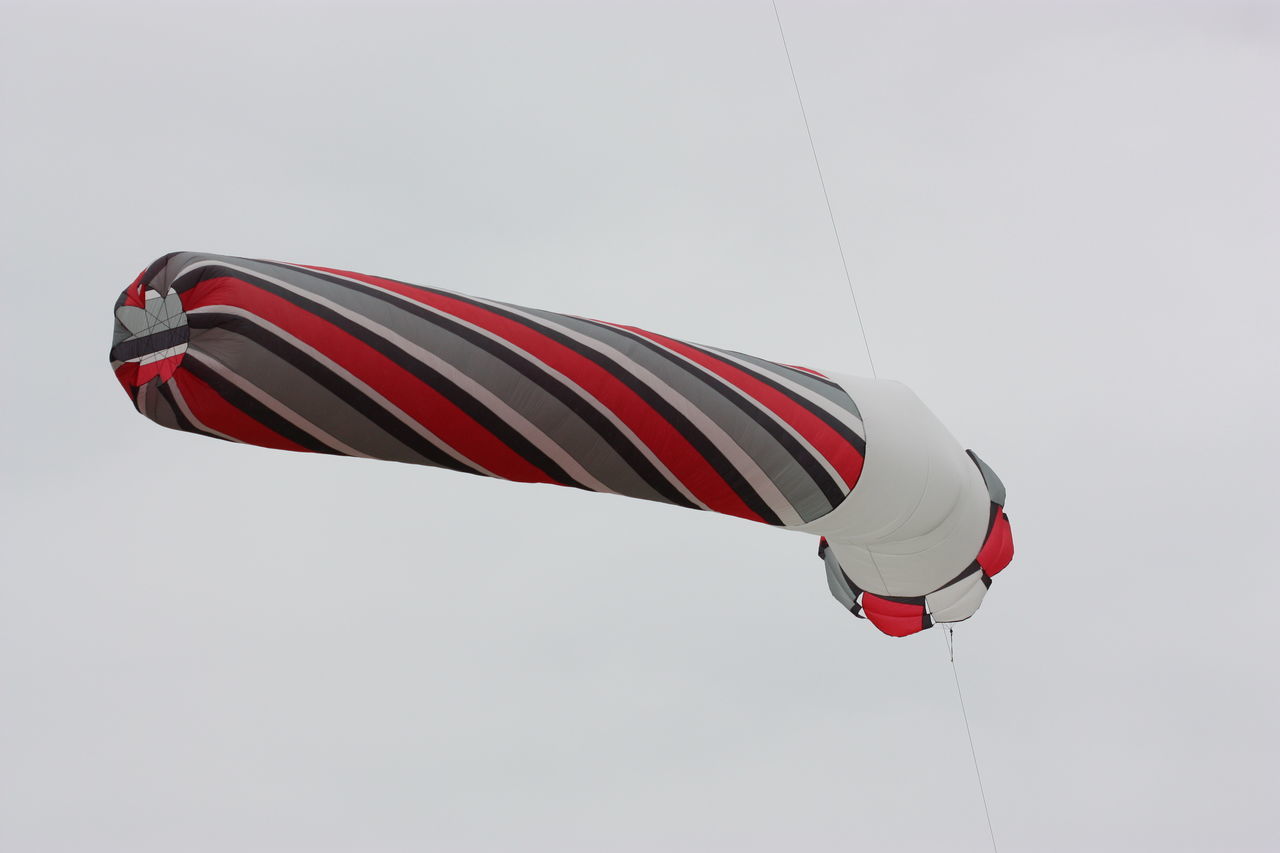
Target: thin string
[951, 652]
[844, 263]
[825, 195]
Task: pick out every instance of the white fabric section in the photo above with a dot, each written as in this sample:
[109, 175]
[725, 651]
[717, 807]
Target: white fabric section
[739, 458]
[918, 515]
[536, 436]
[400, 415]
[160, 310]
[958, 601]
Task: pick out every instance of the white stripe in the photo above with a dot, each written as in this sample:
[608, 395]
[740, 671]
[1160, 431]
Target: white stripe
[274, 405]
[736, 455]
[767, 411]
[847, 417]
[585, 395]
[486, 397]
[159, 355]
[400, 415]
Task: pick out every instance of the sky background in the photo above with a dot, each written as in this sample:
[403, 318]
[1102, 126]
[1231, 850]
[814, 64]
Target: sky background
[1061, 221]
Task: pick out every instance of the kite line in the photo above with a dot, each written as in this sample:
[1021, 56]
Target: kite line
[835, 230]
[951, 653]
[826, 197]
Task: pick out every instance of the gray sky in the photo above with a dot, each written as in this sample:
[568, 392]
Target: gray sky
[1061, 220]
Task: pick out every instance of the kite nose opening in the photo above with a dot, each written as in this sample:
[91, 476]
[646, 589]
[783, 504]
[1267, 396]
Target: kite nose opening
[151, 335]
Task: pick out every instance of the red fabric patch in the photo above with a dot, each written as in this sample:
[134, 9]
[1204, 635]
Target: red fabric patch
[895, 618]
[997, 551]
[163, 369]
[127, 374]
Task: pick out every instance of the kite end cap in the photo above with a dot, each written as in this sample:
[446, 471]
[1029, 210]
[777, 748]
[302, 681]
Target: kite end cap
[151, 333]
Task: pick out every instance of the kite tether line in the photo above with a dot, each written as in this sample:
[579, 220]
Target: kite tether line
[951, 653]
[825, 196]
[835, 230]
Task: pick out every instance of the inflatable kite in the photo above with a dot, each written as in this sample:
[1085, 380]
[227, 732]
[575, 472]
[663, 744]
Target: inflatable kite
[311, 359]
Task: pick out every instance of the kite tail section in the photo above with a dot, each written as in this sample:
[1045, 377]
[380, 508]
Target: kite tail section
[954, 601]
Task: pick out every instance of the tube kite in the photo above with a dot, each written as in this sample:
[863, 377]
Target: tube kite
[912, 527]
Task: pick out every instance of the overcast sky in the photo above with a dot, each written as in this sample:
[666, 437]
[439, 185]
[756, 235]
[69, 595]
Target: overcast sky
[1061, 221]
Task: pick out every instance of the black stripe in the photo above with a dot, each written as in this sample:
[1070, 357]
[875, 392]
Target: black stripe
[841, 428]
[459, 397]
[969, 570]
[341, 388]
[901, 599]
[527, 366]
[155, 342]
[739, 398]
[252, 408]
[155, 268]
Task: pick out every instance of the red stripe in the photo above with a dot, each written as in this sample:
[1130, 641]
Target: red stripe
[163, 368]
[212, 410]
[407, 392]
[666, 442]
[843, 457]
[895, 618]
[807, 370]
[133, 293]
[127, 375]
[997, 551]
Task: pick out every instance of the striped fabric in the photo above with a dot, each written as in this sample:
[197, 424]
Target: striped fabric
[321, 360]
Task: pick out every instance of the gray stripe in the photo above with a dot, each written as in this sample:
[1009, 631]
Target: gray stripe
[266, 399]
[161, 412]
[836, 581]
[305, 395]
[694, 403]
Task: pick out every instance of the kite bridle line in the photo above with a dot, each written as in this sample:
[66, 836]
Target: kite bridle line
[844, 263]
